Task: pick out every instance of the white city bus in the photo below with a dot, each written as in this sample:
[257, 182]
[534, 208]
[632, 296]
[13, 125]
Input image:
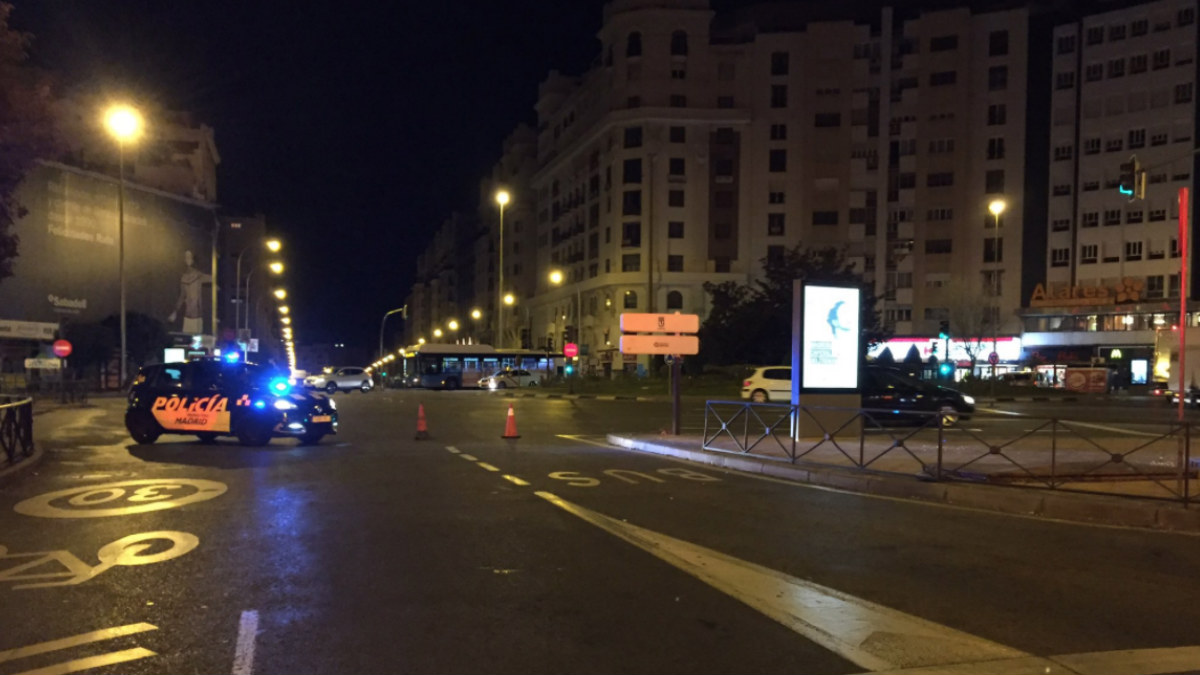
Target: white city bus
[454, 366]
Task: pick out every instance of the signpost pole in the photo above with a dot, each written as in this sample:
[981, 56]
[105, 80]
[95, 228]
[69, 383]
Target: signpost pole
[675, 395]
[1183, 327]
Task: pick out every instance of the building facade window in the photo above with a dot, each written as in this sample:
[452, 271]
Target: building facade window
[631, 262]
[675, 229]
[775, 222]
[679, 43]
[779, 63]
[1133, 250]
[943, 78]
[777, 160]
[995, 148]
[934, 246]
[631, 235]
[993, 250]
[1060, 257]
[675, 166]
[1064, 80]
[633, 137]
[998, 43]
[825, 120]
[824, 217]
[631, 300]
[674, 263]
[1089, 254]
[997, 78]
[940, 179]
[1066, 44]
[779, 132]
[631, 171]
[675, 198]
[633, 44]
[779, 96]
[631, 203]
[1094, 72]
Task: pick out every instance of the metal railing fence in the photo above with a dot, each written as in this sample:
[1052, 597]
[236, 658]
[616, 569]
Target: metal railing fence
[16, 429]
[1150, 459]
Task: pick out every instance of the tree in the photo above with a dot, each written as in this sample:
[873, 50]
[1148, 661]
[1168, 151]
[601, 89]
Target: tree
[145, 336]
[26, 130]
[970, 319]
[752, 323]
[92, 345]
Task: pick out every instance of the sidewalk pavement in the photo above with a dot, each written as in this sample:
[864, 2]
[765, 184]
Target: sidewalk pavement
[900, 475]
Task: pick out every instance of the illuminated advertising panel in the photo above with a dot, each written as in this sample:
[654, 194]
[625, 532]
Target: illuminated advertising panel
[830, 339]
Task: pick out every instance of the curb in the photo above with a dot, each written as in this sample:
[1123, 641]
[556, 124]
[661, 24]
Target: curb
[1049, 504]
[575, 397]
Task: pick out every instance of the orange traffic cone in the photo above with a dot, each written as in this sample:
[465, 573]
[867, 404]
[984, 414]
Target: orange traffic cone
[422, 429]
[510, 427]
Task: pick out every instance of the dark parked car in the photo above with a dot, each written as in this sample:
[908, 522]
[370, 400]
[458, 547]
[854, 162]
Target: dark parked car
[212, 398]
[894, 393]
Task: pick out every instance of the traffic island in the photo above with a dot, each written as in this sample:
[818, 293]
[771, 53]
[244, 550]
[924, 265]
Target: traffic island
[1075, 507]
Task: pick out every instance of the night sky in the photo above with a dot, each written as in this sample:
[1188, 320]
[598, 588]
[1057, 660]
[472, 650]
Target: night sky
[355, 127]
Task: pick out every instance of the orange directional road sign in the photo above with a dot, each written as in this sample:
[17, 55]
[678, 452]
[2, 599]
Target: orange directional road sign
[660, 344]
[660, 323]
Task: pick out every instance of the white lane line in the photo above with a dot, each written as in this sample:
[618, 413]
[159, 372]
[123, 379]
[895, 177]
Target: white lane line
[572, 437]
[469, 458]
[1070, 423]
[487, 466]
[451, 448]
[75, 641]
[91, 662]
[515, 481]
[243, 655]
[871, 635]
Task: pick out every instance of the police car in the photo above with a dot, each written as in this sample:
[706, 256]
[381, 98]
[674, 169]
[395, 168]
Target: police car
[229, 397]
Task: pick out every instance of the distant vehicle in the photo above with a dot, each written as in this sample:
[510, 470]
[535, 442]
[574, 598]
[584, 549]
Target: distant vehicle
[509, 379]
[211, 398]
[886, 390]
[769, 384]
[342, 379]
[1025, 378]
[1166, 362]
[454, 366]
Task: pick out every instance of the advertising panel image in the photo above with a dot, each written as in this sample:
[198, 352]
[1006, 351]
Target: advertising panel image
[830, 339]
[67, 266]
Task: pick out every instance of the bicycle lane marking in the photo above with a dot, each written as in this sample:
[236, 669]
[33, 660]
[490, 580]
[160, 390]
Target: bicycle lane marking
[85, 663]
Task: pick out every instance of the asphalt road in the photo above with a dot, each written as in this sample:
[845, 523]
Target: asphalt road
[374, 552]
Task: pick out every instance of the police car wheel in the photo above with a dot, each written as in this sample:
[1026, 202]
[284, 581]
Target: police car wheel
[254, 437]
[311, 439]
[143, 429]
[207, 438]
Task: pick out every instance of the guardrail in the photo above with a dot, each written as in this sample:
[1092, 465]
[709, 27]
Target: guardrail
[16, 429]
[1146, 459]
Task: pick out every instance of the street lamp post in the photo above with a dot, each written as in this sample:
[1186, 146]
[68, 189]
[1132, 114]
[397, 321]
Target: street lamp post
[276, 268]
[502, 198]
[557, 278]
[996, 207]
[125, 124]
[383, 322]
[273, 245]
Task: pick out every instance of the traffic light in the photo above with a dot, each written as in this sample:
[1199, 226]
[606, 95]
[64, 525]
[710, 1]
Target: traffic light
[945, 369]
[569, 368]
[1133, 179]
[943, 330]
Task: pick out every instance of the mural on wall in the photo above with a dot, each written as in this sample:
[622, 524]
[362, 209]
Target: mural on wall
[68, 264]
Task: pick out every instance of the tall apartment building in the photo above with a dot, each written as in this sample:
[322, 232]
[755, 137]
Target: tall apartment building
[1123, 85]
[696, 146]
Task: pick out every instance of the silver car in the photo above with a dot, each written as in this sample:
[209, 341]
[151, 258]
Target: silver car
[342, 379]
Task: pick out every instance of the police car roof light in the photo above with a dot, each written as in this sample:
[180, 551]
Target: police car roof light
[232, 356]
[280, 386]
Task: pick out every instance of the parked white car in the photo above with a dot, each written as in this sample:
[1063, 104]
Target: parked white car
[341, 379]
[772, 383]
[509, 379]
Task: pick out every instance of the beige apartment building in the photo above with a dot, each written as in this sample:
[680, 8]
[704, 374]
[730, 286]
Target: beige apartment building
[1123, 86]
[697, 145]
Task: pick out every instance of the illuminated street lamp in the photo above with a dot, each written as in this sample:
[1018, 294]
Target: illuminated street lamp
[286, 320]
[437, 332]
[557, 278]
[283, 309]
[281, 293]
[996, 207]
[509, 299]
[125, 125]
[420, 341]
[452, 324]
[502, 198]
[273, 245]
[476, 314]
